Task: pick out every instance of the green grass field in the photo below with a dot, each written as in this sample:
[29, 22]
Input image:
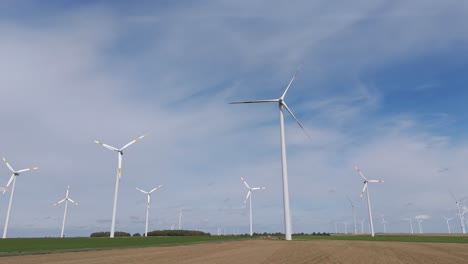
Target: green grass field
[19, 246]
[390, 237]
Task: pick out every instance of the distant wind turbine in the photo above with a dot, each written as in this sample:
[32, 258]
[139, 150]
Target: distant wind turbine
[366, 188]
[12, 179]
[362, 225]
[282, 104]
[249, 195]
[148, 195]
[353, 207]
[460, 215]
[66, 200]
[448, 224]
[420, 219]
[180, 219]
[384, 222]
[411, 224]
[119, 173]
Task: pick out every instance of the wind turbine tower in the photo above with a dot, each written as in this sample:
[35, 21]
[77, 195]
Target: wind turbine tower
[448, 224]
[12, 179]
[460, 215]
[364, 189]
[148, 195]
[282, 105]
[249, 196]
[66, 200]
[353, 207]
[119, 175]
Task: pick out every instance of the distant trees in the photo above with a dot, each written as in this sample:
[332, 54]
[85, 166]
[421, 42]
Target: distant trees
[177, 233]
[107, 234]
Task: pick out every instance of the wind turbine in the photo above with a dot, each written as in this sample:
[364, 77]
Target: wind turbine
[148, 194]
[249, 195]
[66, 200]
[362, 225]
[384, 222]
[282, 104]
[12, 179]
[366, 181]
[448, 224]
[353, 207]
[420, 220]
[119, 172]
[460, 215]
[180, 219]
[411, 224]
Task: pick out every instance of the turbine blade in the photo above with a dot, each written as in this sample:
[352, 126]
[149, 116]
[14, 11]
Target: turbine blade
[8, 184]
[364, 189]
[258, 188]
[247, 197]
[154, 189]
[149, 199]
[145, 192]
[8, 165]
[119, 168]
[453, 196]
[375, 181]
[131, 142]
[290, 82]
[297, 121]
[28, 169]
[59, 202]
[245, 183]
[360, 172]
[70, 200]
[105, 145]
[256, 101]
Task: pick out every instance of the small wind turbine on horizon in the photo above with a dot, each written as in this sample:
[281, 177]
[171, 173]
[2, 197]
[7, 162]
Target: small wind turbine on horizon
[362, 225]
[119, 173]
[448, 224]
[411, 224]
[460, 215]
[148, 195]
[420, 219]
[180, 218]
[66, 200]
[249, 196]
[384, 222]
[282, 104]
[364, 189]
[10, 181]
[353, 207]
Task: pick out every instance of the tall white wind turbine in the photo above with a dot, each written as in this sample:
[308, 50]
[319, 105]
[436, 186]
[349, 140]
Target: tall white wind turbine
[10, 181]
[148, 195]
[119, 173]
[353, 207]
[282, 104]
[460, 215]
[364, 189]
[448, 224]
[249, 196]
[66, 200]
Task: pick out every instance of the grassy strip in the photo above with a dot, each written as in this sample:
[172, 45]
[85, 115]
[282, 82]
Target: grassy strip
[23, 246]
[389, 238]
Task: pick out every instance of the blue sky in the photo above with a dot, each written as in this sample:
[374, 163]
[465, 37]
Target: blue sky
[382, 86]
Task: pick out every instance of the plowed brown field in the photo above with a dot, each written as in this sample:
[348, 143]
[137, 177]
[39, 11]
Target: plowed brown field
[269, 252]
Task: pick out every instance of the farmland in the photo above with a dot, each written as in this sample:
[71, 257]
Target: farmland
[304, 249]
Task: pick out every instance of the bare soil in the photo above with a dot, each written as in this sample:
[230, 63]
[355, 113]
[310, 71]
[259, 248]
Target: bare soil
[268, 252]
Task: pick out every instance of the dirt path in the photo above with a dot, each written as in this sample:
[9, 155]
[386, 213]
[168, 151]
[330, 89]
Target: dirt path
[268, 252]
